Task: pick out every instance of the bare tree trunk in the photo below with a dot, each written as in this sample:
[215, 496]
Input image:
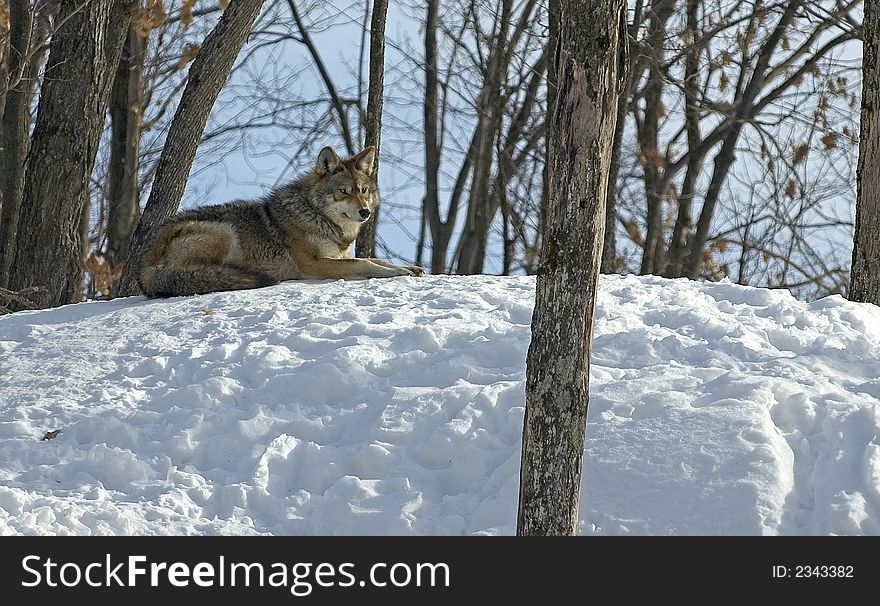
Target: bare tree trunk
[420, 243]
[14, 126]
[431, 201]
[661, 11]
[510, 160]
[471, 250]
[73, 99]
[5, 36]
[589, 75]
[684, 219]
[125, 117]
[366, 242]
[441, 231]
[865, 274]
[609, 249]
[552, 39]
[207, 75]
[508, 242]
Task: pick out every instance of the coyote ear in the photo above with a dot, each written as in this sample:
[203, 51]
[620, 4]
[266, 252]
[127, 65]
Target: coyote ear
[364, 160]
[328, 161]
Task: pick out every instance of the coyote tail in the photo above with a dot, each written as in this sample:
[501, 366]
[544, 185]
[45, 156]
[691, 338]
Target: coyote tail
[169, 281]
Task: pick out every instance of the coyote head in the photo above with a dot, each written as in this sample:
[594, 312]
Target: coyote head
[344, 188]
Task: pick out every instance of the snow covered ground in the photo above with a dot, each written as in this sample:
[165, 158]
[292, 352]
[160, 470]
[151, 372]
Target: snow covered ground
[395, 407]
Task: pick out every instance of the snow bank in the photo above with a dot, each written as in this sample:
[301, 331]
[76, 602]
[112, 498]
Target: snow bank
[396, 406]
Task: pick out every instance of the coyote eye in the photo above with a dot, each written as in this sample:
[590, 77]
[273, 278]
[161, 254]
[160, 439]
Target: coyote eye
[342, 191]
[363, 190]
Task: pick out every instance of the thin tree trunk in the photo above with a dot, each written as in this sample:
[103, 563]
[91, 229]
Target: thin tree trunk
[366, 242]
[508, 165]
[73, 99]
[589, 76]
[684, 219]
[471, 249]
[865, 274]
[507, 242]
[125, 118]
[610, 262]
[420, 243]
[431, 202]
[5, 36]
[441, 231]
[14, 126]
[207, 75]
[661, 11]
[609, 248]
[552, 39]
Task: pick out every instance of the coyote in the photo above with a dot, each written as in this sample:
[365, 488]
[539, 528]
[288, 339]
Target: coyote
[301, 230]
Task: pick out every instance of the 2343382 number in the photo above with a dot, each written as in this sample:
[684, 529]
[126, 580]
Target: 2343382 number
[823, 571]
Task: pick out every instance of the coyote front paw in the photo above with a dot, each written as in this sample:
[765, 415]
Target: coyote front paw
[395, 272]
[416, 270]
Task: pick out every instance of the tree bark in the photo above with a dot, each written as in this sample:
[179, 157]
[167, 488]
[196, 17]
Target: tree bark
[865, 273]
[589, 74]
[73, 100]
[366, 242]
[207, 75]
[125, 118]
[5, 35]
[14, 126]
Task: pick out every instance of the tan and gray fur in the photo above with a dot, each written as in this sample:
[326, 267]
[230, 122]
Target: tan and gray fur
[301, 230]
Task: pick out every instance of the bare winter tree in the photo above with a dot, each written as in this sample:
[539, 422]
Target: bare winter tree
[207, 75]
[610, 260]
[865, 275]
[736, 153]
[18, 67]
[126, 109]
[366, 241]
[590, 76]
[483, 128]
[73, 98]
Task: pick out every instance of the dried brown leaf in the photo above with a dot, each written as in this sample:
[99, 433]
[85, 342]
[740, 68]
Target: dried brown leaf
[829, 140]
[190, 52]
[800, 154]
[633, 231]
[149, 18]
[104, 274]
[186, 13]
